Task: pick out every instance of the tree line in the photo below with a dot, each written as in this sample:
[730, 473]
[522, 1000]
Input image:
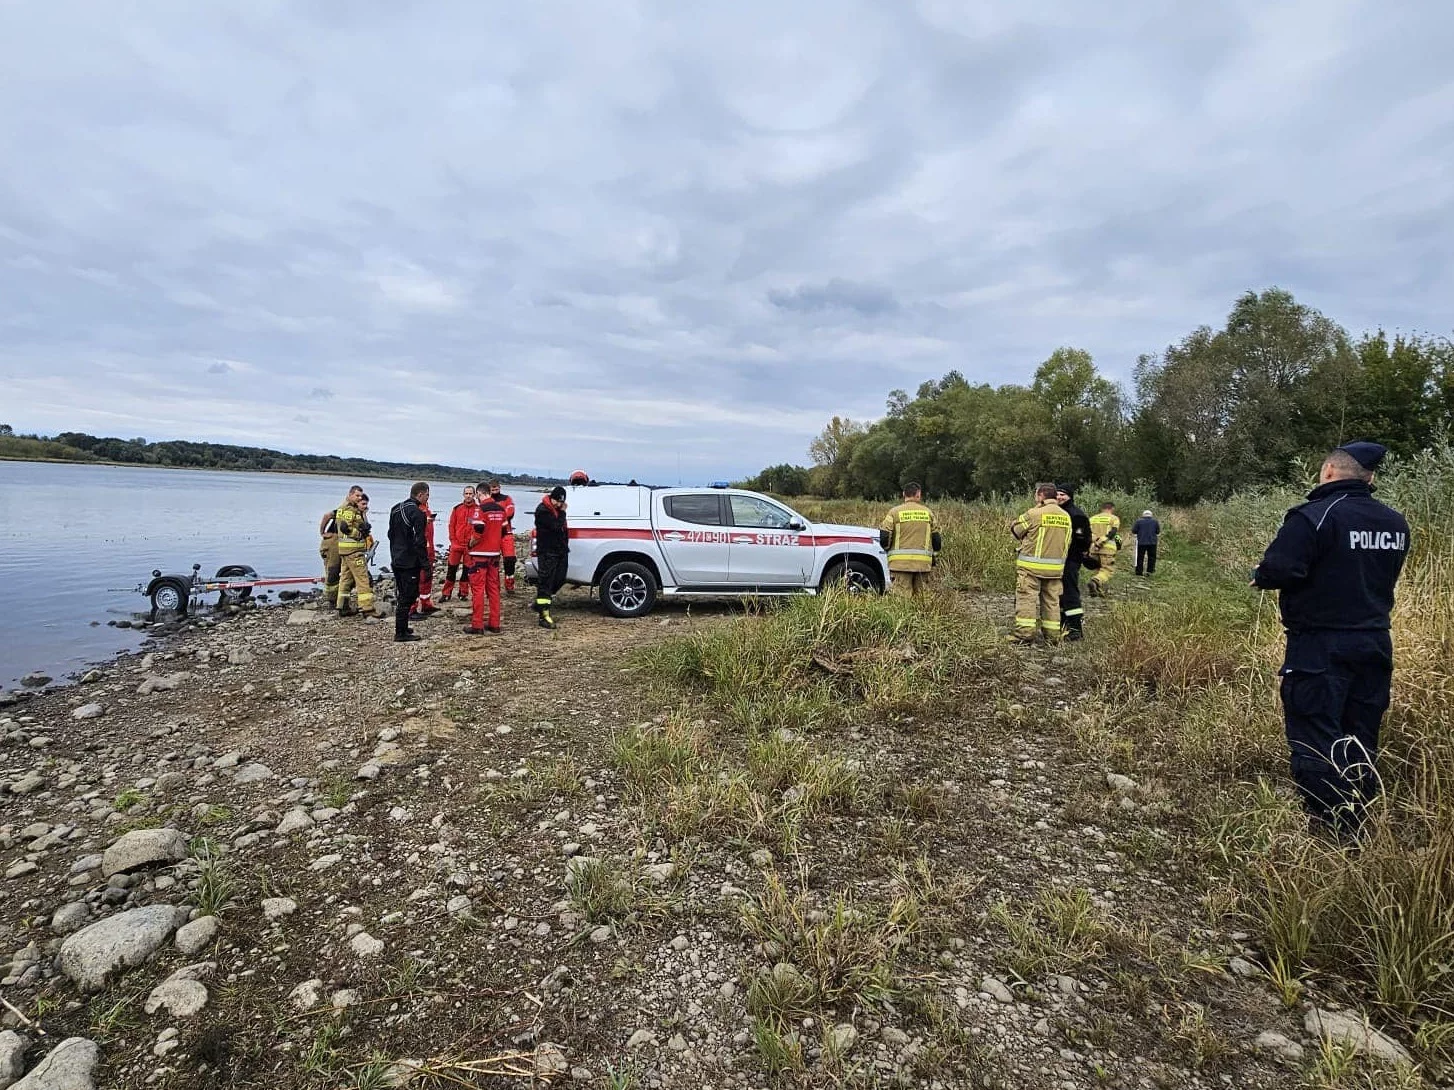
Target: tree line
[74, 446]
[1251, 403]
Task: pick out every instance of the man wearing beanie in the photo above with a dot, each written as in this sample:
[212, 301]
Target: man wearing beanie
[1336, 561]
[552, 552]
[1072, 612]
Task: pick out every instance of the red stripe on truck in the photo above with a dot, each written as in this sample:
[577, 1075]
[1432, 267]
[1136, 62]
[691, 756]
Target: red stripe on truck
[809, 540]
[627, 535]
[832, 539]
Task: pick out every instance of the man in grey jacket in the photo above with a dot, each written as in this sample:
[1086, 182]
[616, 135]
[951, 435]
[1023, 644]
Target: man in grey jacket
[1146, 530]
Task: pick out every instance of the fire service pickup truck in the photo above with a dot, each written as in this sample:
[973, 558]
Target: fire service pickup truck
[637, 543]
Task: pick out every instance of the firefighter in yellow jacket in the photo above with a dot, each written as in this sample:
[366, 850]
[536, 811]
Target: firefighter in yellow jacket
[909, 533]
[1105, 543]
[328, 548]
[355, 540]
[1044, 536]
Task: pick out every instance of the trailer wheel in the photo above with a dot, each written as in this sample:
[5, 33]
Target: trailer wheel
[241, 594]
[169, 596]
[628, 589]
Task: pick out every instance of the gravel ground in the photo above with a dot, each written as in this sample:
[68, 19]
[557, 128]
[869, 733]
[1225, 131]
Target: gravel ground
[278, 850]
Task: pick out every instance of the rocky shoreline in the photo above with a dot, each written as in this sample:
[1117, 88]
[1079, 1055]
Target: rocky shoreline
[278, 850]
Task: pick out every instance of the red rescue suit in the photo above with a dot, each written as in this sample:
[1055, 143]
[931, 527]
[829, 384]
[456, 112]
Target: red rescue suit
[459, 532]
[426, 574]
[507, 553]
[485, 544]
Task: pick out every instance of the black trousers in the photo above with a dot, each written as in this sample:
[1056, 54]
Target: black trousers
[1146, 557]
[1335, 689]
[406, 582]
[1072, 613]
[551, 568]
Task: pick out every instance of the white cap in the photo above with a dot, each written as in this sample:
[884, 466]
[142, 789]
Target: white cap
[1145, 514]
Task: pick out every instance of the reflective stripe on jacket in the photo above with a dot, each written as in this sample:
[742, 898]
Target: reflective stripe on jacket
[353, 529]
[1044, 536]
[912, 528]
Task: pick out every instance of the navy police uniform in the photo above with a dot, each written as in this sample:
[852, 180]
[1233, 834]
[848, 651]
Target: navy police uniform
[1072, 611]
[1335, 561]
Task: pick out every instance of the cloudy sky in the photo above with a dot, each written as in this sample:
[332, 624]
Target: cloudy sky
[630, 236]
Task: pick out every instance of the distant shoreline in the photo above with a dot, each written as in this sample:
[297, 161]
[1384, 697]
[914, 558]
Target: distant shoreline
[452, 479]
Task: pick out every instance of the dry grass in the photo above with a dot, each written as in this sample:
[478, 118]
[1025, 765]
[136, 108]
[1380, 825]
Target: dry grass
[816, 661]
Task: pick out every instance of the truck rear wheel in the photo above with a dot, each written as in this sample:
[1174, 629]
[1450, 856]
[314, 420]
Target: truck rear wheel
[628, 589]
[854, 576]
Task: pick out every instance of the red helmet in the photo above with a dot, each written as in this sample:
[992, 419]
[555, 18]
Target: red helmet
[580, 476]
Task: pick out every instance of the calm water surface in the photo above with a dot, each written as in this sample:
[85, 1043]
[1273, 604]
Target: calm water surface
[75, 540]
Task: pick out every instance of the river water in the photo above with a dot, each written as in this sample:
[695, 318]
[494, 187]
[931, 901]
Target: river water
[76, 539]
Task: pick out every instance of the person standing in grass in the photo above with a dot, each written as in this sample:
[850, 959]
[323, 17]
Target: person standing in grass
[1147, 532]
[910, 535]
[1335, 561]
[1072, 612]
[1105, 543]
[1044, 534]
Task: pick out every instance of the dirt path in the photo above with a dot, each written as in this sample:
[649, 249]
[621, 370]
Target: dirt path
[386, 835]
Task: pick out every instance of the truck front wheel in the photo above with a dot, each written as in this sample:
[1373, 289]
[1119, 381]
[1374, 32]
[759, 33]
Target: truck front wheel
[854, 576]
[628, 589]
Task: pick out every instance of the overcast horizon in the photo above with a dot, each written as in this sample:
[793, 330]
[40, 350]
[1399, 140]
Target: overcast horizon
[619, 236]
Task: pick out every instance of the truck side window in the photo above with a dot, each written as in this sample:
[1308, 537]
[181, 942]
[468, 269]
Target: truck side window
[753, 512]
[705, 510]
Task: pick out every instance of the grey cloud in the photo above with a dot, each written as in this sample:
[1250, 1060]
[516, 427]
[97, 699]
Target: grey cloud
[695, 233]
[836, 294]
[321, 393]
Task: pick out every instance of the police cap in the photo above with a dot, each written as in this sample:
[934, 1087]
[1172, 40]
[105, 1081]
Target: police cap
[1368, 455]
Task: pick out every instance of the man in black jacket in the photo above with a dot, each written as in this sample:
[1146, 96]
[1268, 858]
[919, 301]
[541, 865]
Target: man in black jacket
[1072, 613]
[1336, 560]
[552, 552]
[408, 553]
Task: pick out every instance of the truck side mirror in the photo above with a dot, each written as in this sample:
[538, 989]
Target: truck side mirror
[796, 523]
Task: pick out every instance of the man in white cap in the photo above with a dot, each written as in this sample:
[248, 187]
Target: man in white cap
[1147, 531]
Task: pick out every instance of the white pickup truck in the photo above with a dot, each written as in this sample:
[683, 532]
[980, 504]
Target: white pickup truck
[637, 543]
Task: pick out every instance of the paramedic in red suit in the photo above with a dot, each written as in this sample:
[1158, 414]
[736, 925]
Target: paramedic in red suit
[508, 552]
[485, 543]
[459, 528]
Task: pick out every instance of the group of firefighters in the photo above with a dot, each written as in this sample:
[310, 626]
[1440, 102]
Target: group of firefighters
[1055, 539]
[481, 557]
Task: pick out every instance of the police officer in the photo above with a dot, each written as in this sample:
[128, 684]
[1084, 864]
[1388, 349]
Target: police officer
[1336, 560]
[1072, 612]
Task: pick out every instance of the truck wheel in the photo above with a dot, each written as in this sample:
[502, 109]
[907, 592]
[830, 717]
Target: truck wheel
[241, 594]
[855, 576]
[169, 596]
[628, 589]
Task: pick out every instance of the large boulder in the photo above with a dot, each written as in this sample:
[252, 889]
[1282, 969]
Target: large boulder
[68, 1066]
[1346, 1028]
[142, 847]
[118, 942]
[12, 1057]
[182, 994]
